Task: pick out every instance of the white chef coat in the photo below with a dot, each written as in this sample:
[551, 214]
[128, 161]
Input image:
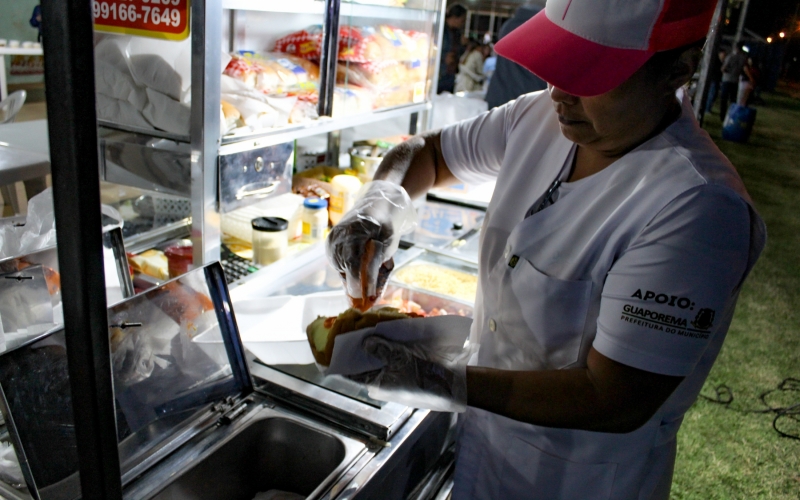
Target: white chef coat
[642, 261]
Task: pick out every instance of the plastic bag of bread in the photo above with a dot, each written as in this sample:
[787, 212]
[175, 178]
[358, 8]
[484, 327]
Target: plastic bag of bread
[253, 113]
[353, 44]
[362, 46]
[305, 43]
[304, 110]
[272, 72]
[352, 100]
[290, 71]
[417, 45]
[242, 69]
[377, 75]
[229, 117]
[395, 96]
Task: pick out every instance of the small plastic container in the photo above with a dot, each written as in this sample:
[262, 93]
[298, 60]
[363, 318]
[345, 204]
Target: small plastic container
[315, 219]
[179, 258]
[270, 239]
[345, 188]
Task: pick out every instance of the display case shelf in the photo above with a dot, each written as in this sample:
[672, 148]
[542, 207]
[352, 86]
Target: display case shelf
[270, 137]
[318, 7]
[156, 134]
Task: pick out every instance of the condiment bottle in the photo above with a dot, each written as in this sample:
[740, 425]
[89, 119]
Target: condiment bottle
[345, 188]
[270, 239]
[315, 219]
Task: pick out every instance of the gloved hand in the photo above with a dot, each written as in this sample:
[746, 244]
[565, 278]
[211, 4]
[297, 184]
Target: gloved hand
[362, 244]
[428, 371]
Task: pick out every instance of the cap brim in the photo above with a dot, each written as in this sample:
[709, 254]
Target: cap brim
[573, 64]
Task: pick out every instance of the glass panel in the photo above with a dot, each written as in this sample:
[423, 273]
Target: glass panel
[21, 321]
[440, 223]
[143, 84]
[170, 363]
[468, 245]
[385, 54]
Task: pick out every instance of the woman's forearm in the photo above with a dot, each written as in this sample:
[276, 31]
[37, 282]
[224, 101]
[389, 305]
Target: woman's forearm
[605, 397]
[417, 164]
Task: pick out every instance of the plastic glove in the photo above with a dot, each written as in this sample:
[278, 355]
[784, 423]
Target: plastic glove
[426, 373]
[362, 244]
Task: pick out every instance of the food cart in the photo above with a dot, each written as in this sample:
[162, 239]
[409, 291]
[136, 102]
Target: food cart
[278, 418]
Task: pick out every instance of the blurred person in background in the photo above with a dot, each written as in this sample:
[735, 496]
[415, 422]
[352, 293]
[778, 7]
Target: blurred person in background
[489, 65]
[731, 71]
[452, 47]
[715, 77]
[36, 21]
[510, 80]
[747, 82]
[470, 68]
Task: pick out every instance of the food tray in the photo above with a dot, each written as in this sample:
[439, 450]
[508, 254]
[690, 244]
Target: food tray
[458, 283]
[401, 297]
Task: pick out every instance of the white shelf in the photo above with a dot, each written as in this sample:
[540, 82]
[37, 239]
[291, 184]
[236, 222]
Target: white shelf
[19, 51]
[238, 144]
[318, 7]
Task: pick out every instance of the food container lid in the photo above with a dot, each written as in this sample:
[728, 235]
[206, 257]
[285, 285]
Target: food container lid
[270, 224]
[181, 250]
[315, 203]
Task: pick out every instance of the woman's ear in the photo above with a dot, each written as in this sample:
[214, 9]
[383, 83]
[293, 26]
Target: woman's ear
[684, 68]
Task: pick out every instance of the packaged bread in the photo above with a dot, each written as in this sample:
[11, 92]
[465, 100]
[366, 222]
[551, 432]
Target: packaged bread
[352, 100]
[377, 75]
[305, 44]
[230, 117]
[395, 44]
[359, 44]
[272, 73]
[356, 44]
[396, 96]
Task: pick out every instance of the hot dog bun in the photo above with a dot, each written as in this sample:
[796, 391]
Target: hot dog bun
[322, 331]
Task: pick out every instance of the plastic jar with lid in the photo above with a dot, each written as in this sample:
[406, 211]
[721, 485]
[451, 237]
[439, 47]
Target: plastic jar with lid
[270, 239]
[315, 219]
[179, 258]
[345, 188]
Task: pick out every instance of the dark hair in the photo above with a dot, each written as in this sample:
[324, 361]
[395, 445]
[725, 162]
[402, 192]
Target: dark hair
[663, 62]
[456, 10]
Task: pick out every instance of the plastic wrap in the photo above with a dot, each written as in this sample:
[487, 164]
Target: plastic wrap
[419, 362]
[369, 234]
[144, 83]
[39, 230]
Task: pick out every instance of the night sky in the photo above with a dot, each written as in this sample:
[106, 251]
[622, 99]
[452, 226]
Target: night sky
[769, 17]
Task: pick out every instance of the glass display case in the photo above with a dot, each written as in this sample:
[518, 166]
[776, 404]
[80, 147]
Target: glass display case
[212, 113]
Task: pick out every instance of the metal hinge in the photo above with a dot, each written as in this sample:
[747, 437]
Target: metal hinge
[230, 409]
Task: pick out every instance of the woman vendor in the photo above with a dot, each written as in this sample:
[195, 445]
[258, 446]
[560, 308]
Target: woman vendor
[611, 258]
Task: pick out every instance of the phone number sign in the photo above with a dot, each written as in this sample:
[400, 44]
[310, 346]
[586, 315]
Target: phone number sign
[166, 19]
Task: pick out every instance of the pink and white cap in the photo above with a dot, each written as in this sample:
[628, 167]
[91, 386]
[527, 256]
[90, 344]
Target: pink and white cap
[588, 47]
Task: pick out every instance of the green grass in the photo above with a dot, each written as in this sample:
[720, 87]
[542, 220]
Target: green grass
[724, 454]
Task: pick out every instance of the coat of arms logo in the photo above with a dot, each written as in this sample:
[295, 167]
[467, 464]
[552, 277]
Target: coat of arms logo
[704, 319]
